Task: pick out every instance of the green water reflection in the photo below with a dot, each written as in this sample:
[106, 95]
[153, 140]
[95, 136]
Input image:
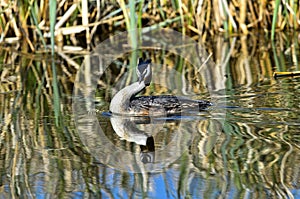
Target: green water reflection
[254, 155]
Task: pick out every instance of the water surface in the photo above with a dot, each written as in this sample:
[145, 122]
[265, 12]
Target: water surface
[245, 146]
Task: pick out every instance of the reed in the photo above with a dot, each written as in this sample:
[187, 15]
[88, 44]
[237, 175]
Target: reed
[63, 23]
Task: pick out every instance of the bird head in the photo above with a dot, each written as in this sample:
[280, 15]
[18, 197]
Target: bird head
[144, 71]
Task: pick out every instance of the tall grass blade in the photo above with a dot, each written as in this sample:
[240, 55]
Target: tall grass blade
[35, 21]
[181, 16]
[139, 17]
[274, 20]
[56, 99]
[133, 23]
[52, 23]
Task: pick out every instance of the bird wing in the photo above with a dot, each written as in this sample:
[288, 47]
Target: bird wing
[171, 104]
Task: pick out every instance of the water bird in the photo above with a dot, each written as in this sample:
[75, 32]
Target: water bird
[126, 101]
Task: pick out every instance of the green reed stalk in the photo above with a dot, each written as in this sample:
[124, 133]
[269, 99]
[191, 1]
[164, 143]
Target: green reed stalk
[133, 34]
[35, 21]
[56, 99]
[139, 17]
[274, 20]
[52, 18]
[133, 24]
[181, 16]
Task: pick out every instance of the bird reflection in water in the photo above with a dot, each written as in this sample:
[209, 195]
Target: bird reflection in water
[127, 129]
[148, 152]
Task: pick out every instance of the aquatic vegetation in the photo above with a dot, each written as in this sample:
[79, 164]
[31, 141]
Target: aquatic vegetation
[84, 23]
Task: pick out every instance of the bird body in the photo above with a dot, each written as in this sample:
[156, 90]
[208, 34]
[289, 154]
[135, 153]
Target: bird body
[167, 104]
[126, 102]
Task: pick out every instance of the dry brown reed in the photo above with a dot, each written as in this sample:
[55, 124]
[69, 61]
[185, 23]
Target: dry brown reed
[80, 23]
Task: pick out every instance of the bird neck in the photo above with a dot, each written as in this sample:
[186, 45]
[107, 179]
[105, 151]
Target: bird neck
[121, 101]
